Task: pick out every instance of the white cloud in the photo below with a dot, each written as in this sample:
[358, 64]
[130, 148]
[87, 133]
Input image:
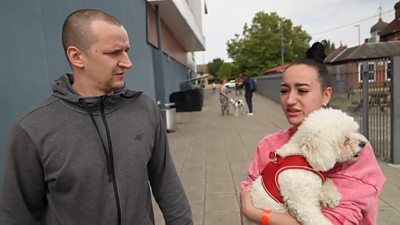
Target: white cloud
[227, 17]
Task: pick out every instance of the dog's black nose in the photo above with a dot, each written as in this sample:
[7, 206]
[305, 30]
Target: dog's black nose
[361, 144]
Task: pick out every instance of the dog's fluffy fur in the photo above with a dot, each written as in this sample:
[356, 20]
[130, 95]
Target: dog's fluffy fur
[238, 105]
[326, 137]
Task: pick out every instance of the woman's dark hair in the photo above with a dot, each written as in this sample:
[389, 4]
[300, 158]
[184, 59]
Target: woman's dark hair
[315, 58]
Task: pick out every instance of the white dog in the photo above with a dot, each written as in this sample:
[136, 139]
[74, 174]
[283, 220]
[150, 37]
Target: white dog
[238, 105]
[326, 137]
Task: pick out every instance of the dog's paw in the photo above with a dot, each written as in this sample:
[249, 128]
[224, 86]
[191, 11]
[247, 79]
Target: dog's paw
[330, 201]
[329, 196]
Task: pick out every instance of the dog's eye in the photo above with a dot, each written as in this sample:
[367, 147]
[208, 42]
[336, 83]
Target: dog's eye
[346, 140]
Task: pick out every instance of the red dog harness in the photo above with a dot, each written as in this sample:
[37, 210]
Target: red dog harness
[278, 164]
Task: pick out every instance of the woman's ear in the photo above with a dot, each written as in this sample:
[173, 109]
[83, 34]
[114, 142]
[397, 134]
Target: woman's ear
[75, 56]
[327, 96]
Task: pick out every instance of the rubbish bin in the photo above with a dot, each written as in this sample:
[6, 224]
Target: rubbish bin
[188, 100]
[169, 116]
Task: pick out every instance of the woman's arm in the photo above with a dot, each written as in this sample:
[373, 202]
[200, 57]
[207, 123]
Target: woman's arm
[360, 184]
[221, 90]
[255, 214]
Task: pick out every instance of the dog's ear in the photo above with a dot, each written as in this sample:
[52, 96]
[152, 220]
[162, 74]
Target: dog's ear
[318, 153]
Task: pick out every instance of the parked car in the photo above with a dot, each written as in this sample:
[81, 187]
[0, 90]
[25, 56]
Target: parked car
[230, 84]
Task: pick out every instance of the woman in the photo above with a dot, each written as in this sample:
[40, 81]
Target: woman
[223, 97]
[306, 87]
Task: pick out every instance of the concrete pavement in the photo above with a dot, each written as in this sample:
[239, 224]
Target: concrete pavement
[212, 153]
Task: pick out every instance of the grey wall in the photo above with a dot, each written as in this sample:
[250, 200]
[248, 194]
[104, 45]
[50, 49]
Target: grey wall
[32, 55]
[175, 73]
[269, 86]
[24, 77]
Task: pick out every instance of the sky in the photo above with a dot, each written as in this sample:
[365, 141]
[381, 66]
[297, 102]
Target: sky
[340, 21]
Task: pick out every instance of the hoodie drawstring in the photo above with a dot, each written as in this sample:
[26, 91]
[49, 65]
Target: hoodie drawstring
[101, 139]
[109, 155]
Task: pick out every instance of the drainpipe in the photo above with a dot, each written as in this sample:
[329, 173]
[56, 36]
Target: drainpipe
[395, 110]
[159, 64]
[365, 77]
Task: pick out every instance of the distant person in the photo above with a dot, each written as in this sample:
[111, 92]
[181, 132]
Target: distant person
[238, 91]
[214, 87]
[94, 152]
[306, 87]
[223, 97]
[249, 88]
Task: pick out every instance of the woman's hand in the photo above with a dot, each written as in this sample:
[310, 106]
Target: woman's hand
[245, 199]
[255, 214]
[247, 207]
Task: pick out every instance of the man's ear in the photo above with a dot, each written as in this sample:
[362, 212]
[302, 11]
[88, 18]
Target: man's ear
[75, 56]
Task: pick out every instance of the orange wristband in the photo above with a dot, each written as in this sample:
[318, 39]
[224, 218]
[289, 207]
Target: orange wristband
[265, 217]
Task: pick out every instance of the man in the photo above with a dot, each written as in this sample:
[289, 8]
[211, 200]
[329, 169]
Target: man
[249, 87]
[90, 153]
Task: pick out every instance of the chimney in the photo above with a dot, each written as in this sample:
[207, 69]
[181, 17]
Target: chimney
[397, 9]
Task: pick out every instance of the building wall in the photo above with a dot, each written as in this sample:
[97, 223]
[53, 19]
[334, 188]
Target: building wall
[391, 37]
[198, 10]
[175, 73]
[349, 73]
[170, 45]
[32, 54]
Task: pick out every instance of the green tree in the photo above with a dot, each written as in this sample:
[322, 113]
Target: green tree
[259, 45]
[228, 70]
[329, 46]
[214, 66]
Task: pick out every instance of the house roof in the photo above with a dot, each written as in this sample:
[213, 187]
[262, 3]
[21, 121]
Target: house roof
[277, 69]
[335, 54]
[378, 26]
[365, 51]
[391, 28]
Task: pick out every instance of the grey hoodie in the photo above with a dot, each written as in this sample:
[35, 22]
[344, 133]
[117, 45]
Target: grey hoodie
[91, 161]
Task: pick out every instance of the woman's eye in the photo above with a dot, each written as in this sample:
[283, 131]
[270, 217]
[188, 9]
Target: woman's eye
[283, 91]
[301, 91]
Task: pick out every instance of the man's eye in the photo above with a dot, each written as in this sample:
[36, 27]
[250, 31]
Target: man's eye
[114, 53]
[283, 91]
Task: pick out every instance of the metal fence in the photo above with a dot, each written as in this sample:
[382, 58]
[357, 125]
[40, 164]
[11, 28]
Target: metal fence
[363, 90]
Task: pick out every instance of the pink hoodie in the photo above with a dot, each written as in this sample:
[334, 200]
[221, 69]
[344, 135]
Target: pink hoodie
[360, 183]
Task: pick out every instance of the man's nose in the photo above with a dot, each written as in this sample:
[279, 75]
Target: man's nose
[126, 61]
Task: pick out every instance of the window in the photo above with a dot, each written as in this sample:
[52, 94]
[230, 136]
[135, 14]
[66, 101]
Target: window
[389, 70]
[369, 68]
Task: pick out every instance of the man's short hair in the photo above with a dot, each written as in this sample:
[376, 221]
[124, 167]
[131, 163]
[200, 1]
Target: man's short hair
[77, 30]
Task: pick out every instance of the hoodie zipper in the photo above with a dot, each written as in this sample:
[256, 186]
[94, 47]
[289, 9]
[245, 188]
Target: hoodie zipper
[111, 161]
[109, 155]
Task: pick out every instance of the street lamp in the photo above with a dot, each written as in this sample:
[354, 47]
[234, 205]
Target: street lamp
[282, 44]
[358, 26]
